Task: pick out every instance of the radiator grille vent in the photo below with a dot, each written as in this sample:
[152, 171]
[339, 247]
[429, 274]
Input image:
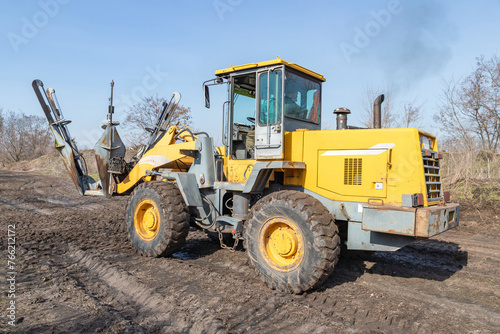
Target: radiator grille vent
[432, 177]
[353, 171]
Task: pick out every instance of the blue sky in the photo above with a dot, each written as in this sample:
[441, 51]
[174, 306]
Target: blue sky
[78, 47]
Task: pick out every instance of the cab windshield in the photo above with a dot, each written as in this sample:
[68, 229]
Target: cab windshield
[302, 98]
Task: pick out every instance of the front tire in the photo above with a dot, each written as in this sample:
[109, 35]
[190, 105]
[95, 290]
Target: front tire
[157, 219]
[292, 241]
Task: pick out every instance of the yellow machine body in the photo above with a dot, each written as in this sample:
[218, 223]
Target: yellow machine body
[359, 165]
[384, 184]
[277, 61]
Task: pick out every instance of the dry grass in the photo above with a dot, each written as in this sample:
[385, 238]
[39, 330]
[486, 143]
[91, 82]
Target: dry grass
[51, 164]
[472, 175]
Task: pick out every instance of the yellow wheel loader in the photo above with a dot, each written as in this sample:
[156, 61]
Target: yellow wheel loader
[293, 193]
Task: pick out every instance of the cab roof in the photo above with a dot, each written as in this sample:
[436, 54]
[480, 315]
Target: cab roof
[277, 61]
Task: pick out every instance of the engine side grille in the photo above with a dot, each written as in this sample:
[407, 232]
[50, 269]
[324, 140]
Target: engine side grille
[353, 171]
[432, 176]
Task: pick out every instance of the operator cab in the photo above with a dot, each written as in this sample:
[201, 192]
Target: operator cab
[265, 100]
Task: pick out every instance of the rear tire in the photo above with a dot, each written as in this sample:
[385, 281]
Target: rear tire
[157, 219]
[292, 241]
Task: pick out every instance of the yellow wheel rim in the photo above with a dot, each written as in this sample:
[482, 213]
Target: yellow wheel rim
[281, 244]
[147, 220]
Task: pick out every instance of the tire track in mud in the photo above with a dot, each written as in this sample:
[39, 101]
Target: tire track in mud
[486, 246]
[62, 304]
[173, 315]
[440, 303]
[260, 307]
[365, 317]
[229, 289]
[26, 207]
[41, 194]
[23, 186]
[467, 286]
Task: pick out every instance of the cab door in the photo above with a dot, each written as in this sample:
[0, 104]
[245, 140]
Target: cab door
[269, 134]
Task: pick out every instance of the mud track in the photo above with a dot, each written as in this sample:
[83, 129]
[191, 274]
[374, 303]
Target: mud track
[78, 274]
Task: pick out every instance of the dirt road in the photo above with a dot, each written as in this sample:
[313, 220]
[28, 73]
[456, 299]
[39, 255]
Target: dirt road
[77, 273]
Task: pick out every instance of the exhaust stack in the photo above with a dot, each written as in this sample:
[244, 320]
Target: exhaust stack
[377, 112]
[342, 118]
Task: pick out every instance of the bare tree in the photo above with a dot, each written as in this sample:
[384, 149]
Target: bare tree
[489, 70]
[410, 115]
[142, 116]
[469, 116]
[388, 117]
[492, 68]
[23, 137]
[1, 119]
[471, 106]
[450, 115]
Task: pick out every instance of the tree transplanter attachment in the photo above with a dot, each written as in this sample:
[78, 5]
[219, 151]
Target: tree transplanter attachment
[109, 147]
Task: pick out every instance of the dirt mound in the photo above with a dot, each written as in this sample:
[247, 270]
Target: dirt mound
[484, 214]
[49, 164]
[52, 164]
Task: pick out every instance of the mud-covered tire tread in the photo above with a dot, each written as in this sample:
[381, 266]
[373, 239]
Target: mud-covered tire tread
[324, 231]
[175, 223]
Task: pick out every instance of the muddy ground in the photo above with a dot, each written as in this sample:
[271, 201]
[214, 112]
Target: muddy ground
[77, 273]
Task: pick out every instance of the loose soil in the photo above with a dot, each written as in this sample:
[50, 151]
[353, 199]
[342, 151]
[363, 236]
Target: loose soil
[77, 273]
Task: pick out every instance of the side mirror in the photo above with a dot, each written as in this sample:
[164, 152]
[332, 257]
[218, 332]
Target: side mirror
[207, 97]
